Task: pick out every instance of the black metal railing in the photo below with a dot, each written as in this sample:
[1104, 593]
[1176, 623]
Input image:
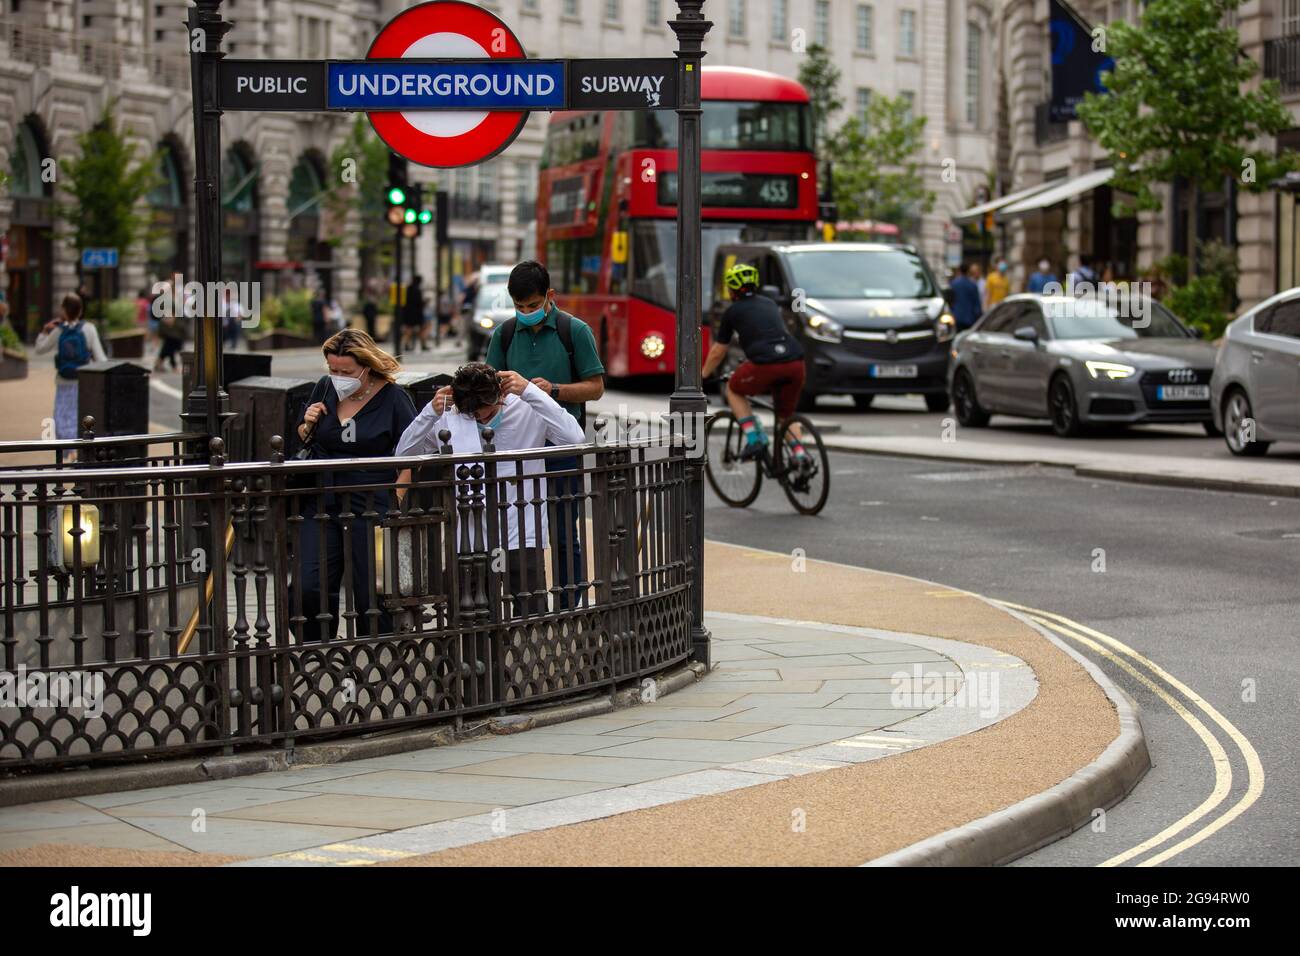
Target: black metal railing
[156, 449]
[215, 606]
[1282, 62]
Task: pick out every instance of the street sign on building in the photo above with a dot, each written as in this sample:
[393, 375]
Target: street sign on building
[99, 258]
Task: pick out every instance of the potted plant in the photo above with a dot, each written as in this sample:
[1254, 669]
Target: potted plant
[285, 322]
[13, 356]
[125, 337]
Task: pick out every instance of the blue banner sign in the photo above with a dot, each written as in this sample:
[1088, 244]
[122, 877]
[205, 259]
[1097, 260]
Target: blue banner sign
[451, 85]
[99, 258]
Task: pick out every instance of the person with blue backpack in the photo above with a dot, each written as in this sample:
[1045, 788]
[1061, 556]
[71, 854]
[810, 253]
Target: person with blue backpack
[75, 342]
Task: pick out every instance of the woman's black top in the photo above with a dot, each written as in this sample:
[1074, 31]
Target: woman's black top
[374, 431]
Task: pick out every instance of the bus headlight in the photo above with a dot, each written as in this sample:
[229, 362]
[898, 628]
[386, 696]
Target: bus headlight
[653, 345]
[945, 327]
[822, 328]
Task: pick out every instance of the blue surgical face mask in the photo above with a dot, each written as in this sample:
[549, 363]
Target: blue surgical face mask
[531, 318]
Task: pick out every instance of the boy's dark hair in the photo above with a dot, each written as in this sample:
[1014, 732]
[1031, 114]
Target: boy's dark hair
[72, 305]
[474, 385]
[528, 278]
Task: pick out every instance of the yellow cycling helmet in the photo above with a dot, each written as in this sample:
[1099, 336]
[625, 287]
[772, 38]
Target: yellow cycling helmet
[740, 275]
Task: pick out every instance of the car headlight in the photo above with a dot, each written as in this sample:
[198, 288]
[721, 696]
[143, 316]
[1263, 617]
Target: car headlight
[486, 321]
[945, 327]
[653, 345]
[822, 328]
[1110, 370]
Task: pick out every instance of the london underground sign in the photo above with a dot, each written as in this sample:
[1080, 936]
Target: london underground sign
[447, 83]
[453, 30]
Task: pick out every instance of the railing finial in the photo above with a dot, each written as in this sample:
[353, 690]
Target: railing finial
[88, 428]
[277, 449]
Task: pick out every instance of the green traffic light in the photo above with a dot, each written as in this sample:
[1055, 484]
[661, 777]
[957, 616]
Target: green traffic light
[410, 215]
[396, 196]
[426, 216]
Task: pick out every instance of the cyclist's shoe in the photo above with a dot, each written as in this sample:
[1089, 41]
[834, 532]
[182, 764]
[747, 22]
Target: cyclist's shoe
[753, 449]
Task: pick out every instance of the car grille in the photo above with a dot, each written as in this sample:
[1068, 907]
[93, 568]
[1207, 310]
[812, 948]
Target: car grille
[890, 352]
[1110, 406]
[1150, 381]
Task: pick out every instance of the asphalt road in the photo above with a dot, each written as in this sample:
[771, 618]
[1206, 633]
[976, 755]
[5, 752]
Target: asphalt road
[1205, 584]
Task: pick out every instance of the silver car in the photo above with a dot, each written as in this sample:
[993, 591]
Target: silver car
[1080, 362]
[1256, 386]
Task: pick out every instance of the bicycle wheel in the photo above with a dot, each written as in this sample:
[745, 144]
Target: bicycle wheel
[807, 482]
[734, 481]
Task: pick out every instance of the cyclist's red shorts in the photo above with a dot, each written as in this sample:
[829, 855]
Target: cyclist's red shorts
[783, 379]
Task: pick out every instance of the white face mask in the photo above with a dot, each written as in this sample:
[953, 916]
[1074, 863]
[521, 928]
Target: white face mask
[345, 385]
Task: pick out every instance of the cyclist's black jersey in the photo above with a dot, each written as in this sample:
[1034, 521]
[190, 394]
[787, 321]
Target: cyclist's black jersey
[763, 336]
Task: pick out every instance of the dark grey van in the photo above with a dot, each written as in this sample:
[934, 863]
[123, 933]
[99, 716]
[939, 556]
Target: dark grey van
[870, 316]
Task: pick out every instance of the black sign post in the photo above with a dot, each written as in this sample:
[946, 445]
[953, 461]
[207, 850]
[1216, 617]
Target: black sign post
[688, 405]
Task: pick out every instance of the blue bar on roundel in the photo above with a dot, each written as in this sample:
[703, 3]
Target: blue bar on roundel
[473, 84]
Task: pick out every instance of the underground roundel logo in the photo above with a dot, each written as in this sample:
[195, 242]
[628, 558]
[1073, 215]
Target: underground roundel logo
[453, 30]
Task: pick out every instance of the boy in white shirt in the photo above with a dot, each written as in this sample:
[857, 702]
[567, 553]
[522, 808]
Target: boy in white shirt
[522, 416]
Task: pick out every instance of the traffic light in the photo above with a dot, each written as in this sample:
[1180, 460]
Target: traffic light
[396, 194]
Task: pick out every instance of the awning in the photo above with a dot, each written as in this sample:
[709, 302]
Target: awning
[1058, 193]
[976, 213]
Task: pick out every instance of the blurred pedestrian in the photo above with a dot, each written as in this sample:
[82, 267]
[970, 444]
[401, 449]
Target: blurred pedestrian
[997, 286]
[76, 344]
[966, 307]
[1039, 279]
[412, 314]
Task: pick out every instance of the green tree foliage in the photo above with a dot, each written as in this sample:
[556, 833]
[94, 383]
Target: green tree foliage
[106, 183]
[821, 78]
[1175, 106]
[878, 172]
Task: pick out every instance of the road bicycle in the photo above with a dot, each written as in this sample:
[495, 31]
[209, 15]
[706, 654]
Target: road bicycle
[737, 480]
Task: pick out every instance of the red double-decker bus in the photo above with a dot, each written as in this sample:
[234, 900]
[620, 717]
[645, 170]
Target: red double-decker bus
[607, 204]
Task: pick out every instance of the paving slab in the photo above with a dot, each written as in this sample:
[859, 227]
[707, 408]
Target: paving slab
[456, 787]
[372, 813]
[602, 767]
[688, 729]
[119, 835]
[51, 814]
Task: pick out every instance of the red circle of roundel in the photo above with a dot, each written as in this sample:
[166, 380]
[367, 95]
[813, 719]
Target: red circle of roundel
[486, 139]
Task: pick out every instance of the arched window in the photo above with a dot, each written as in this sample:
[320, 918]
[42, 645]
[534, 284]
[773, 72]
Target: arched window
[238, 182]
[170, 191]
[239, 219]
[305, 189]
[25, 166]
[169, 238]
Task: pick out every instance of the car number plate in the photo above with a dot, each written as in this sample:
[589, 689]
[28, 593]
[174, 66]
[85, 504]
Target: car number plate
[1183, 393]
[893, 371]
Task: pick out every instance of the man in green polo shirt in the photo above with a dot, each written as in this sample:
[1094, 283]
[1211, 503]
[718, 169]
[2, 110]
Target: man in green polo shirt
[557, 353]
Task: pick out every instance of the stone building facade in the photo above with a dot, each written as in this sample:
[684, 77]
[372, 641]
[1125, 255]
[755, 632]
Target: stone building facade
[1032, 151]
[63, 61]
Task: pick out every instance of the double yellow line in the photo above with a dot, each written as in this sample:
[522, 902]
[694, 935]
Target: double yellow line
[1163, 685]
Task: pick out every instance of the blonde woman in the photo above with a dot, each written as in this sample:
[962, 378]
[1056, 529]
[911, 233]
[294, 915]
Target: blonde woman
[355, 411]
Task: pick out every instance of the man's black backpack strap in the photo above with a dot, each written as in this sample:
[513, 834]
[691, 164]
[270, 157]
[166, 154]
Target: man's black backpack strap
[564, 328]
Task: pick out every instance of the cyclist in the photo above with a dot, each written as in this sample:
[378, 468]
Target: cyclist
[773, 359]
